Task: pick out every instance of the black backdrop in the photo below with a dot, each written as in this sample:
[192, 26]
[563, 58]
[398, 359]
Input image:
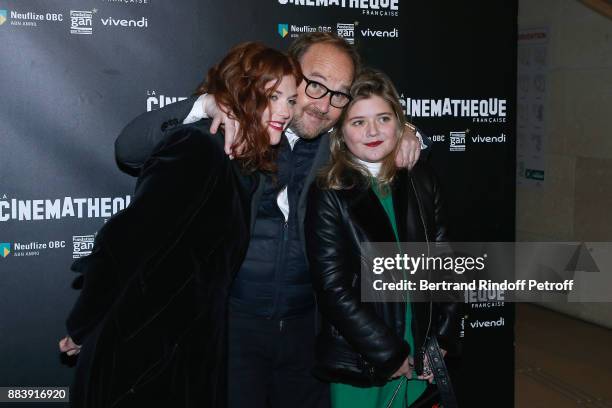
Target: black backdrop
[74, 72]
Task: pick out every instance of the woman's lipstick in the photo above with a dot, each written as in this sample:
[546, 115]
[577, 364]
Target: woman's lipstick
[374, 144]
[276, 125]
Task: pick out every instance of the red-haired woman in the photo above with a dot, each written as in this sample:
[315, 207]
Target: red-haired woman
[151, 317]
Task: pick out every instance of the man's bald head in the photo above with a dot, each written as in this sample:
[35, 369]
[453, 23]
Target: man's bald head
[330, 61]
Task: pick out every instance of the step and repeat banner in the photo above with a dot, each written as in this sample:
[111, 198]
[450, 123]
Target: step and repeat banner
[74, 72]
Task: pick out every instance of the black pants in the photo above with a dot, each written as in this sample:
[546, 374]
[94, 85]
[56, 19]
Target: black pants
[270, 364]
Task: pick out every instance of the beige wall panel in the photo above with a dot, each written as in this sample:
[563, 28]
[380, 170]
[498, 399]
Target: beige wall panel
[559, 126]
[537, 13]
[575, 202]
[528, 236]
[593, 211]
[583, 38]
[549, 212]
[598, 313]
[589, 107]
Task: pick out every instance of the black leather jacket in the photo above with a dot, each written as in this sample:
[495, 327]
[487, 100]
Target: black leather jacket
[356, 337]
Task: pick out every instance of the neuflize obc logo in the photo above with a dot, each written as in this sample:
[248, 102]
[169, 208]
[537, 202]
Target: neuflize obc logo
[5, 249]
[283, 30]
[3, 16]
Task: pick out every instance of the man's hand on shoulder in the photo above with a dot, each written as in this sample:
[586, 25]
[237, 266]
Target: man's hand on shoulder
[222, 117]
[410, 148]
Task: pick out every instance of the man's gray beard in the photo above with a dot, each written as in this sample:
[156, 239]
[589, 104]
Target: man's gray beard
[298, 128]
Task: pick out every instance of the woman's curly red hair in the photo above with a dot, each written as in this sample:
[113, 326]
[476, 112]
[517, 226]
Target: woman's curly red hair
[238, 85]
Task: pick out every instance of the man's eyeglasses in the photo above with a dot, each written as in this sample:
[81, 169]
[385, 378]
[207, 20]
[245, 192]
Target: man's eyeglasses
[317, 90]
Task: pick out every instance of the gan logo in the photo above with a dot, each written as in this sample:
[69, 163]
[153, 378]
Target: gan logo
[81, 22]
[283, 30]
[5, 249]
[457, 142]
[2, 16]
[82, 245]
[346, 31]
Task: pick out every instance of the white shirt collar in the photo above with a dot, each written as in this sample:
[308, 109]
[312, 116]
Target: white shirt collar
[373, 168]
[292, 138]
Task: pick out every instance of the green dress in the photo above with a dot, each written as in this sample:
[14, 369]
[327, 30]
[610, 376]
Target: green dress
[347, 396]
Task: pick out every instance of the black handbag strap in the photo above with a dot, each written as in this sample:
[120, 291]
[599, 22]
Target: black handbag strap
[440, 372]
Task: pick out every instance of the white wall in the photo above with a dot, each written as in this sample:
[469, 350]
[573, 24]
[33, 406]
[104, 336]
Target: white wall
[575, 203]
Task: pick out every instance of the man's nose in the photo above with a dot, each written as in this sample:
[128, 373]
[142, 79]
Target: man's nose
[323, 104]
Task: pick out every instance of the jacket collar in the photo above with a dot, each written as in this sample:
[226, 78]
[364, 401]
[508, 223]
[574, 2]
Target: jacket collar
[368, 213]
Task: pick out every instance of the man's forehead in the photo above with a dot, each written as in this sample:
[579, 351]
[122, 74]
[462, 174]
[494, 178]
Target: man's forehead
[326, 63]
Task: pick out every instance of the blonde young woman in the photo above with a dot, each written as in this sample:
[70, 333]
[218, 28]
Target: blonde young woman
[369, 351]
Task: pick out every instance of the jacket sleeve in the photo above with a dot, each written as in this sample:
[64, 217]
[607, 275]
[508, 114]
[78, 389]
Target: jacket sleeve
[138, 139]
[331, 263]
[176, 179]
[448, 326]
[440, 220]
[449, 314]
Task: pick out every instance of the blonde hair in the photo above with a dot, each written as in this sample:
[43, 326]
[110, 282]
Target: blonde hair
[341, 172]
